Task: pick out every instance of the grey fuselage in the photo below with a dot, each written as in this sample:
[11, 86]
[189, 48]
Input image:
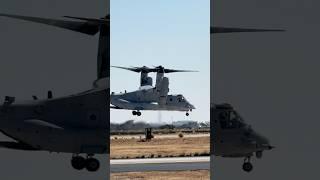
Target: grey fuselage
[233, 137]
[73, 124]
[147, 98]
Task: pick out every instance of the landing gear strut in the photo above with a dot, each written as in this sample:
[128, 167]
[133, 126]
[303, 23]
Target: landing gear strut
[79, 163]
[247, 166]
[138, 113]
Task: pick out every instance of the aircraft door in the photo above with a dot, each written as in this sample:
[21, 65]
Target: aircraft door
[226, 127]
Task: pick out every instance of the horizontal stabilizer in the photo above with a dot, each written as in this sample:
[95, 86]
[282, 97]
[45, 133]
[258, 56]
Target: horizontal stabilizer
[236, 30]
[86, 25]
[16, 145]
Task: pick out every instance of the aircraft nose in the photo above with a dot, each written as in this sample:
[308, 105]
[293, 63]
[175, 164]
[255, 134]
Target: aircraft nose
[271, 147]
[263, 142]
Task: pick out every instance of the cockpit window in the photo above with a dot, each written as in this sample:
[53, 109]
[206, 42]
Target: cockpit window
[180, 98]
[230, 120]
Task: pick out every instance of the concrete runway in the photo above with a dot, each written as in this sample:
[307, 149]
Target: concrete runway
[160, 164]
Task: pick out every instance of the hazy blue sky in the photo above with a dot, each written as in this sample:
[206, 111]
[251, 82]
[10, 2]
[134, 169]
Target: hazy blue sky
[174, 34]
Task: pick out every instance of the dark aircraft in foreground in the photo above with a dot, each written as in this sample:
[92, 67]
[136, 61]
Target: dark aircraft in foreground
[76, 124]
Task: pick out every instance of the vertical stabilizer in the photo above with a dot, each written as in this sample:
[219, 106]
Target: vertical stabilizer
[103, 61]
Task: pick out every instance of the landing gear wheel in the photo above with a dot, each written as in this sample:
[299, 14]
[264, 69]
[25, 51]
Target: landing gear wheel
[92, 164]
[187, 114]
[247, 166]
[78, 162]
[138, 113]
[134, 113]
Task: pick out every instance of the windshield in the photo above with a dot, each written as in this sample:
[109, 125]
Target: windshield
[230, 120]
[181, 98]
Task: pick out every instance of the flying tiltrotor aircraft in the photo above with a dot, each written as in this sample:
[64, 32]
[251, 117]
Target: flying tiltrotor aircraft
[151, 98]
[76, 124]
[232, 137]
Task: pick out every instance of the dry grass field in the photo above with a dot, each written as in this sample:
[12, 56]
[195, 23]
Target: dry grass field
[159, 147]
[163, 175]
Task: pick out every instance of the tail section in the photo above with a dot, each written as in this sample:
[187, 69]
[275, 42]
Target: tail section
[103, 59]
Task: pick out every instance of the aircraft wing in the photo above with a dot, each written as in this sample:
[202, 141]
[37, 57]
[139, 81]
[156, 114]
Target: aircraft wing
[16, 145]
[88, 26]
[216, 29]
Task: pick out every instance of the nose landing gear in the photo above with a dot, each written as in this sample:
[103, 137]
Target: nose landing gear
[136, 113]
[247, 166]
[79, 163]
[92, 164]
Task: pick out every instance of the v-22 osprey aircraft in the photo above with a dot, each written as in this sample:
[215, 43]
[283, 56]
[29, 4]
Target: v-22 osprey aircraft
[76, 124]
[232, 136]
[148, 97]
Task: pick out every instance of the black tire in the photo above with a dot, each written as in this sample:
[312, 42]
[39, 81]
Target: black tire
[247, 167]
[134, 113]
[187, 114]
[92, 164]
[139, 113]
[78, 162]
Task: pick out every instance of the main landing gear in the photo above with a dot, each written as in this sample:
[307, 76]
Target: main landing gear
[90, 163]
[136, 113]
[247, 166]
[187, 114]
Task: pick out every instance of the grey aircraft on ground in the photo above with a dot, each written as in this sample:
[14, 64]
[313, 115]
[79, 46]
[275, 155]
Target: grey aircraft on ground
[232, 137]
[76, 124]
[150, 97]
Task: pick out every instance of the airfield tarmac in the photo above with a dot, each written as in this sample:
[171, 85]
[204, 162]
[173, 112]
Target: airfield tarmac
[162, 146]
[163, 175]
[160, 164]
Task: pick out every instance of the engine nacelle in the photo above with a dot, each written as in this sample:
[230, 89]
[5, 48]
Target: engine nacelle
[163, 90]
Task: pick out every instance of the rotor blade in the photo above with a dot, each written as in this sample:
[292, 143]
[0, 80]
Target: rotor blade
[174, 71]
[148, 70]
[89, 27]
[162, 69]
[236, 30]
[129, 69]
[100, 21]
